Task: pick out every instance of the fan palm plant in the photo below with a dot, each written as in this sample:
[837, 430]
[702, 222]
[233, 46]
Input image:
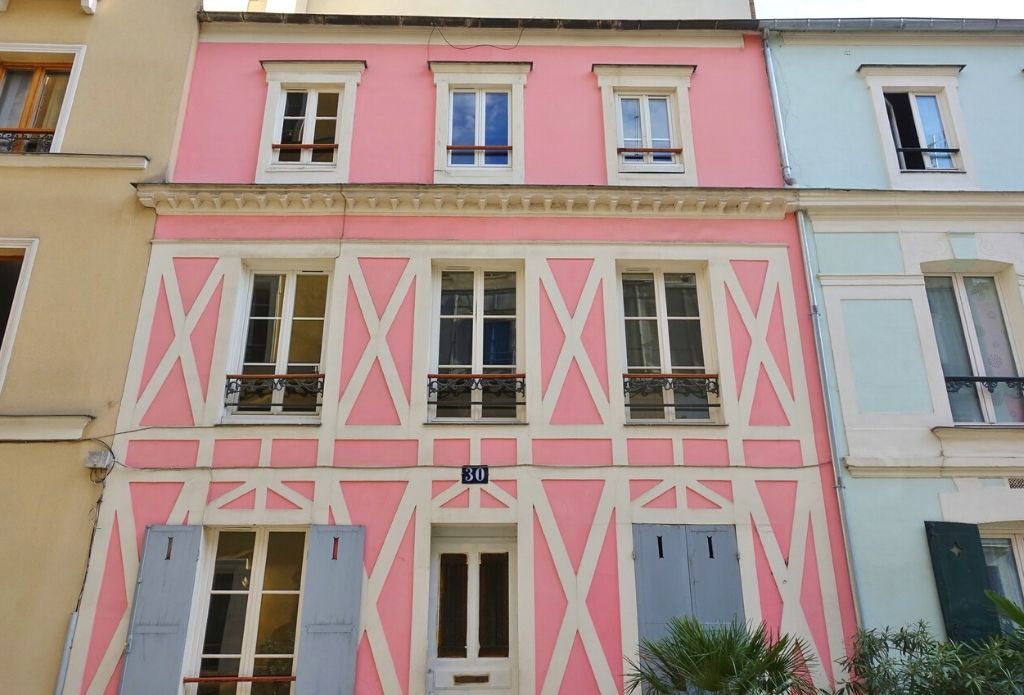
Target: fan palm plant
[733, 659]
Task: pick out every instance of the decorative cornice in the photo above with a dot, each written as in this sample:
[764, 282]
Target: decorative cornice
[476, 200]
[848, 203]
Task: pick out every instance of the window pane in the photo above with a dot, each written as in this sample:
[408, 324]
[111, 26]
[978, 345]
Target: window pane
[327, 105]
[307, 337]
[456, 293]
[284, 560]
[10, 271]
[1003, 577]
[276, 631]
[497, 402]
[631, 126]
[310, 295]
[690, 406]
[301, 396]
[295, 104]
[661, 133]
[271, 667]
[904, 130]
[218, 667]
[685, 343]
[494, 604]
[234, 560]
[949, 333]
[463, 126]
[496, 126]
[451, 606]
[642, 348]
[262, 341]
[499, 341]
[324, 131]
[455, 400]
[455, 342]
[267, 295]
[638, 294]
[996, 352]
[225, 624]
[500, 294]
[12, 97]
[681, 294]
[55, 84]
[933, 135]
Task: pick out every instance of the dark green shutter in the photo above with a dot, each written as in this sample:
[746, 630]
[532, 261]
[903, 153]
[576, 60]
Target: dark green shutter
[961, 579]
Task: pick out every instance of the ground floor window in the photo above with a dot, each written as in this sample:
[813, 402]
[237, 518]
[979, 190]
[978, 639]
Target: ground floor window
[1003, 556]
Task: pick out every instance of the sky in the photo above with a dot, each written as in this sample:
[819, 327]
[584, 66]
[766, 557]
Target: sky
[1007, 9]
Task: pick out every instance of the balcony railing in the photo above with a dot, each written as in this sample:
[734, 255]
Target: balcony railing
[989, 383]
[462, 395]
[25, 140]
[274, 393]
[670, 396]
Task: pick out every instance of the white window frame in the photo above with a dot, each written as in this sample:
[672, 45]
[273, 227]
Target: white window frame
[971, 338]
[706, 336]
[77, 56]
[252, 608]
[340, 76]
[478, 269]
[939, 81]
[450, 77]
[290, 270]
[671, 81]
[28, 248]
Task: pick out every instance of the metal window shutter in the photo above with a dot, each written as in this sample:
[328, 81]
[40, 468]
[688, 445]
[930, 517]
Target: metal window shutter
[715, 588]
[331, 599]
[662, 579]
[961, 579]
[155, 650]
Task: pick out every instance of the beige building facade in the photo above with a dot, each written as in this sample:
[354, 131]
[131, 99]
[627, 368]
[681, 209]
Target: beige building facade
[90, 99]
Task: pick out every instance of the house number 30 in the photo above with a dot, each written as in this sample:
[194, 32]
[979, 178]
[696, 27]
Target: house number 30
[475, 475]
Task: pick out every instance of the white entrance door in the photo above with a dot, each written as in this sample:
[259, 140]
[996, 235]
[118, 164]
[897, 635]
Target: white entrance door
[472, 618]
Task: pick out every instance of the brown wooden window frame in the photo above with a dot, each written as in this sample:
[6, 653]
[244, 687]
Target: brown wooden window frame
[39, 73]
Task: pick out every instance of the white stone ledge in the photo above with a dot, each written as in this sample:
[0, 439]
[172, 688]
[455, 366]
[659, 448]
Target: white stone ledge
[38, 428]
[66, 160]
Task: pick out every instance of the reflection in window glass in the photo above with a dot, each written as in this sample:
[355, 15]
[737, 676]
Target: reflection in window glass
[1003, 575]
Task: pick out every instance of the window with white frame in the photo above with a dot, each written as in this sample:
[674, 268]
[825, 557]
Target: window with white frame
[648, 136]
[920, 123]
[975, 348]
[1004, 555]
[478, 374]
[666, 372]
[281, 358]
[307, 121]
[16, 257]
[251, 616]
[31, 98]
[479, 122]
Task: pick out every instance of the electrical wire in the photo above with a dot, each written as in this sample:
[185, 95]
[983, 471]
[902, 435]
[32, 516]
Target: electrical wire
[437, 28]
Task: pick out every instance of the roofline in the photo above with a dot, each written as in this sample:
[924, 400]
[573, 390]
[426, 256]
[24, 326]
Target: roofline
[896, 24]
[427, 21]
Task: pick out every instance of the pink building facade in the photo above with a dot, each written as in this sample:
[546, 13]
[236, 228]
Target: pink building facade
[391, 251]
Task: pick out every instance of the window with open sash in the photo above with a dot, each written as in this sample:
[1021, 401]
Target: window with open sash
[477, 374]
[308, 132]
[281, 360]
[480, 128]
[251, 615]
[918, 133]
[31, 97]
[666, 377]
[977, 355]
[645, 132]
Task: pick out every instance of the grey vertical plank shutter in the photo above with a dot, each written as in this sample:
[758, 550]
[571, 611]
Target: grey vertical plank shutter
[715, 588]
[155, 651]
[331, 599]
[662, 579]
[961, 579]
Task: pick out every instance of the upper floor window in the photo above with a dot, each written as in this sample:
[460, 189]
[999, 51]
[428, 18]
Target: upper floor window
[281, 359]
[31, 99]
[648, 138]
[307, 121]
[667, 376]
[977, 356]
[479, 122]
[478, 333]
[919, 120]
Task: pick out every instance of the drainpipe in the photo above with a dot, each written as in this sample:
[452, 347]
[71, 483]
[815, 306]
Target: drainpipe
[66, 652]
[830, 403]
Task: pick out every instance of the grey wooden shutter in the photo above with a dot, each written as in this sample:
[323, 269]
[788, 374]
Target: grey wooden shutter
[715, 589]
[155, 650]
[961, 579]
[662, 579]
[330, 611]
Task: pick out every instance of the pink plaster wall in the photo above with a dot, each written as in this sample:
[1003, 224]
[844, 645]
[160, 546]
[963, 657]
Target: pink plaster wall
[393, 137]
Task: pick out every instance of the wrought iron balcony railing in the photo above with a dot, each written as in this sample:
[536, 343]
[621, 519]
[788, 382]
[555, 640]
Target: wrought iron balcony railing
[274, 393]
[25, 140]
[989, 383]
[672, 396]
[457, 395]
